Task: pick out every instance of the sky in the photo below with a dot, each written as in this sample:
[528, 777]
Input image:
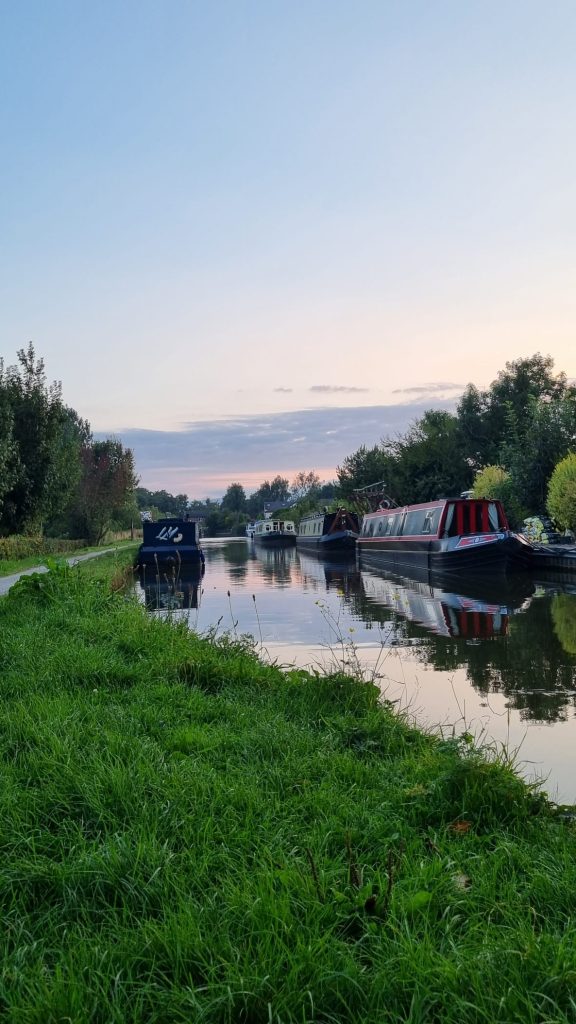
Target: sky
[249, 236]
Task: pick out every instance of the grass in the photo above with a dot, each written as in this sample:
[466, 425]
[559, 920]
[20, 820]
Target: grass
[10, 566]
[190, 835]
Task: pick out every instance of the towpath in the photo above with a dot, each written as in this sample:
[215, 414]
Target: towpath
[8, 581]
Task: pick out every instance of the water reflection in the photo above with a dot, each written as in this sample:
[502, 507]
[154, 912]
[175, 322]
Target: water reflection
[277, 564]
[502, 653]
[170, 591]
[472, 609]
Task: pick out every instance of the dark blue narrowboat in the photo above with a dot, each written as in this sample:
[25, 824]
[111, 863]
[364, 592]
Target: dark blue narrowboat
[170, 543]
[326, 532]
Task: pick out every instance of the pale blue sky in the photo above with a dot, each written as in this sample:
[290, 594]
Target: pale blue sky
[236, 209]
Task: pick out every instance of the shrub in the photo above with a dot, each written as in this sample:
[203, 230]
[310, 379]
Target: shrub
[561, 501]
[495, 482]
[20, 546]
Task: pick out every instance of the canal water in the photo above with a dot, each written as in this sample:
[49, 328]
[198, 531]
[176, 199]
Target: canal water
[497, 660]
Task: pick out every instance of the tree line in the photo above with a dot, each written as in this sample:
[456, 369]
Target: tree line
[516, 441]
[236, 508]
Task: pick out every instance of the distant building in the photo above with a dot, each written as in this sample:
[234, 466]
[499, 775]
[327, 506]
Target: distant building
[270, 507]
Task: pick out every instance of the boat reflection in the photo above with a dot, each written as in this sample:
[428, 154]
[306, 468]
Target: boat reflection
[170, 591]
[320, 573]
[276, 564]
[478, 609]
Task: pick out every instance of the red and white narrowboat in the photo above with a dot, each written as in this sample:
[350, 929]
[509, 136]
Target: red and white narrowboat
[451, 535]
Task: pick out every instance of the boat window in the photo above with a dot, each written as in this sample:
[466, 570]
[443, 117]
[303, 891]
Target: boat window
[450, 525]
[381, 526]
[414, 523]
[493, 516]
[390, 524]
[431, 520]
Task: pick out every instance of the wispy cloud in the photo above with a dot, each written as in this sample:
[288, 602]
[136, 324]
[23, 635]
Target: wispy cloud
[434, 388]
[283, 391]
[333, 389]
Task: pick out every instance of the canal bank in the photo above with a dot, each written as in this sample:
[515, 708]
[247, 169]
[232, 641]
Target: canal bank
[189, 834]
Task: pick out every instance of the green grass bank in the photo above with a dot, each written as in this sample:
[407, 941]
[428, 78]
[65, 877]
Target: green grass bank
[189, 835]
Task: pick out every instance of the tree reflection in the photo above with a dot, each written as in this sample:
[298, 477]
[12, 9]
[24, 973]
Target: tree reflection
[522, 648]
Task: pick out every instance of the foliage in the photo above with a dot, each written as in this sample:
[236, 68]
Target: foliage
[561, 501]
[40, 457]
[495, 482]
[276, 490]
[23, 546]
[524, 422]
[305, 485]
[363, 467]
[234, 499]
[105, 488]
[563, 611]
[166, 504]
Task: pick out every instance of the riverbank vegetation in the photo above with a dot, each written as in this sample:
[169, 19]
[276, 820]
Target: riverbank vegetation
[189, 834]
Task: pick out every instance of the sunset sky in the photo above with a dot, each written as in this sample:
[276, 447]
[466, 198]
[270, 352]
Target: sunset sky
[250, 235]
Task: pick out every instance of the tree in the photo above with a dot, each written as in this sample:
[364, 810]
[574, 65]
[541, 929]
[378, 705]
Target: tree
[233, 505]
[106, 487]
[305, 485]
[561, 501]
[277, 490]
[43, 465]
[365, 466]
[535, 444]
[235, 499]
[7, 446]
[428, 461]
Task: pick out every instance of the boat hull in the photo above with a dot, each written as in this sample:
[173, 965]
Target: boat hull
[275, 540]
[343, 540]
[498, 554]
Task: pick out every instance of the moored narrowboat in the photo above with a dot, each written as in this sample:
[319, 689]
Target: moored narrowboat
[169, 543]
[275, 532]
[451, 535]
[324, 532]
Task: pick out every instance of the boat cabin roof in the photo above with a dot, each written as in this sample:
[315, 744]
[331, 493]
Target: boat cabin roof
[437, 503]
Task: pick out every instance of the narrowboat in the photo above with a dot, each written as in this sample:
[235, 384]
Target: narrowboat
[451, 535]
[169, 543]
[275, 532]
[324, 532]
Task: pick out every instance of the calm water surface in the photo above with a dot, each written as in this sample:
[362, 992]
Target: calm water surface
[497, 660]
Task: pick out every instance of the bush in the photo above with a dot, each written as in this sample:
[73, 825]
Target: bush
[561, 501]
[495, 482]
[20, 546]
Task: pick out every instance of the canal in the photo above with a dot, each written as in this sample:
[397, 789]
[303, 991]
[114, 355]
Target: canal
[496, 660]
